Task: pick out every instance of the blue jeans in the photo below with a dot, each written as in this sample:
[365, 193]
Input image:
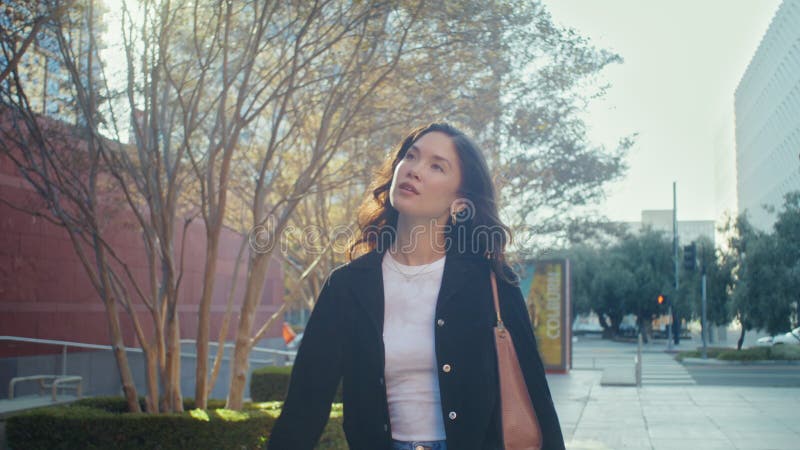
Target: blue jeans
[415, 445]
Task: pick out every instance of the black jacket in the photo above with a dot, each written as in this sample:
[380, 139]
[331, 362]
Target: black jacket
[343, 341]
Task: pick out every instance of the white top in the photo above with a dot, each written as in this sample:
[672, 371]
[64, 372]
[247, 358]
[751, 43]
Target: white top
[412, 385]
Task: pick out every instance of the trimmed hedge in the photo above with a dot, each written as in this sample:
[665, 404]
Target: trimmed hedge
[70, 427]
[776, 352]
[787, 352]
[712, 352]
[270, 384]
[99, 423]
[773, 353]
[119, 405]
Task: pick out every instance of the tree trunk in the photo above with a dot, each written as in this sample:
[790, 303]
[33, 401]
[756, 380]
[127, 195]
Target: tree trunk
[174, 397]
[151, 361]
[741, 339]
[161, 354]
[226, 318]
[642, 331]
[118, 347]
[203, 323]
[241, 354]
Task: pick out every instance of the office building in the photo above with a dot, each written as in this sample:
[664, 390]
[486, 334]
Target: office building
[661, 220]
[767, 108]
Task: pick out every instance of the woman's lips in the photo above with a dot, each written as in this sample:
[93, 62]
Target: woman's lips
[408, 187]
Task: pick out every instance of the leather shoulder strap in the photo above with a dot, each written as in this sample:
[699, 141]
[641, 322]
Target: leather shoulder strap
[493, 278]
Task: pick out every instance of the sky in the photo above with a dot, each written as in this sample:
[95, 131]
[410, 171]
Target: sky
[683, 60]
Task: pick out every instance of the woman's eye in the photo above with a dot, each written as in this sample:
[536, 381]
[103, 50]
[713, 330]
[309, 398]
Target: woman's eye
[438, 167]
[409, 156]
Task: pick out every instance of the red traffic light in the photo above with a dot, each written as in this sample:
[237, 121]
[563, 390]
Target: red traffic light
[660, 299]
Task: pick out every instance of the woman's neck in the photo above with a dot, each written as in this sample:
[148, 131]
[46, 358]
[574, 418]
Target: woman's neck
[418, 242]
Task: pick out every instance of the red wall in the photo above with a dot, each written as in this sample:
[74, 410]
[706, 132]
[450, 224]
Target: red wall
[45, 292]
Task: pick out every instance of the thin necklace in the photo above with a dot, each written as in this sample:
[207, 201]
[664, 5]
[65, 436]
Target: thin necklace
[408, 276]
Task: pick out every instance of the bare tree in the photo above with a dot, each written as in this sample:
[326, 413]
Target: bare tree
[21, 22]
[273, 109]
[67, 173]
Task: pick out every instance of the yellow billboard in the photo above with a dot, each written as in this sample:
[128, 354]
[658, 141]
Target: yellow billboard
[546, 287]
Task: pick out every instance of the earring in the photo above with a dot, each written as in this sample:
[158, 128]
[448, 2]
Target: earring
[454, 216]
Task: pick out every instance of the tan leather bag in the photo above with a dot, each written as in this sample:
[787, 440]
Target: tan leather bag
[520, 427]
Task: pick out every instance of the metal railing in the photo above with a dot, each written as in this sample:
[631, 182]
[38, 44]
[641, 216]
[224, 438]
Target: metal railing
[52, 382]
[64, 345]
[67, 344]
[288, 353]
[84, 364]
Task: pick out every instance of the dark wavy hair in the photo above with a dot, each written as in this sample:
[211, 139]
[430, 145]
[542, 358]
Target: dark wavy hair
[477, 230]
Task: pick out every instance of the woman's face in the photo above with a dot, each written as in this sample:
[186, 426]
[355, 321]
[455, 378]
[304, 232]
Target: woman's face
[427, 179]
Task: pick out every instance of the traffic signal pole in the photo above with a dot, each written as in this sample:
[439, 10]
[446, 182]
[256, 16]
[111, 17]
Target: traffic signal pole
[703, 331]
[675, 254]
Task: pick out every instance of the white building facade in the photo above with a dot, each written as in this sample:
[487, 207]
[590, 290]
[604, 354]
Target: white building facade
[661, 220]
[767, 108]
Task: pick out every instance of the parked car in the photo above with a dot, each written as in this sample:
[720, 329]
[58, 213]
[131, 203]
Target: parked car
[588, 324]
[765, 341]
[791, 338]
[628, 329]
[628, 326]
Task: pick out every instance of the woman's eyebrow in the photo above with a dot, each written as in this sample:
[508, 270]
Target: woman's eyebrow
[443, 159]
[436, 157]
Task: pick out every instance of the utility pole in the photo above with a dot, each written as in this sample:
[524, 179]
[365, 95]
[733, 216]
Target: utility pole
[705, 321]
[675, 258]
[703, 318]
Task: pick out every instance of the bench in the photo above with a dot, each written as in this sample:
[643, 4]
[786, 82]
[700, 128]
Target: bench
[52, 382]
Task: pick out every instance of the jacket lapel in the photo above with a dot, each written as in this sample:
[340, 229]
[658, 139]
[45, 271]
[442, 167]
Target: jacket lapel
[459, 270]
[368, 286]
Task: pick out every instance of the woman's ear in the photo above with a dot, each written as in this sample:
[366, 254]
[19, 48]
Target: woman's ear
[462, 210]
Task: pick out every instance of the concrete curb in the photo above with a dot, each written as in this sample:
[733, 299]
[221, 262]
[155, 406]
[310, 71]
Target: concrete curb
[618, 376]
[717, 362]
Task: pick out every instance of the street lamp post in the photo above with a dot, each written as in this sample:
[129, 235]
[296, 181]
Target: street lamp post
[675, 258]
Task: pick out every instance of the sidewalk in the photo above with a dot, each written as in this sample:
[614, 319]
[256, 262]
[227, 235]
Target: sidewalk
[664, 416]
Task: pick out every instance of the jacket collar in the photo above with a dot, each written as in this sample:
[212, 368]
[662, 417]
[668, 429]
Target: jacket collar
[458, 268]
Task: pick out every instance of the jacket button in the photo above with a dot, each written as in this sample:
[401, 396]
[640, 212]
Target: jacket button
[446, 368]
[386, 427]
[440, 322]
[452, 415]
[380, 381]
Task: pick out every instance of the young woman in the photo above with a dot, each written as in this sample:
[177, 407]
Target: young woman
[407, 326]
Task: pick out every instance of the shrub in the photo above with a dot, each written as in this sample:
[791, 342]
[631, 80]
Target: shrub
[68, 427]
[120, 405]
[270, 384]
[97, 423]
[747, 354]
[785, 352]
[774, 353]
[712, 352]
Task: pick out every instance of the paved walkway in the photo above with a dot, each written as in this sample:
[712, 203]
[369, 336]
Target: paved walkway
[661, 368]
[667, 412]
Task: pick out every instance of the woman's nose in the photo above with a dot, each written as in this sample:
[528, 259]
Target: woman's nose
[412, 171]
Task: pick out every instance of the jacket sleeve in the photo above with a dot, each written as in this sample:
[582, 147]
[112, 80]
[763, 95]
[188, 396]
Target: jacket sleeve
[315, 376]
[515, 316]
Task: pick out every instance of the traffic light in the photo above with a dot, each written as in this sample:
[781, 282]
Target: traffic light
[661, 299]
[690, 256]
